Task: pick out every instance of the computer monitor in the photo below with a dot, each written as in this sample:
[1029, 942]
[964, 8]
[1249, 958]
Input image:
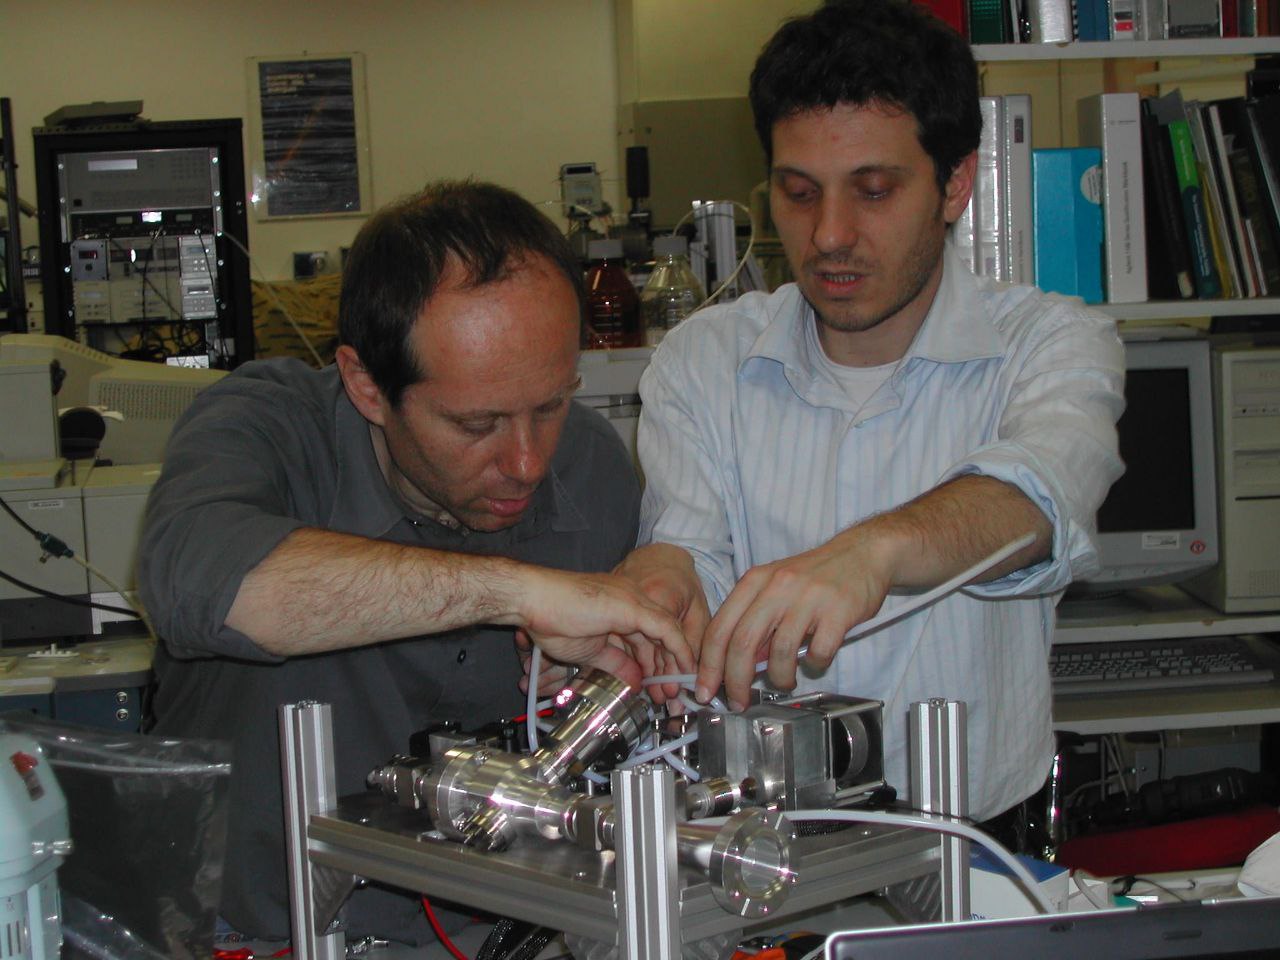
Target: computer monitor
[1159, 522]
[140, 400]
[1228, 929]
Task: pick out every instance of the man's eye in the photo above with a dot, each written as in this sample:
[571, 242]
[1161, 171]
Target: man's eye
[476, 428]
[553, 408]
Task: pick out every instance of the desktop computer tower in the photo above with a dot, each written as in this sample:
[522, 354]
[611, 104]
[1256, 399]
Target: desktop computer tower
[1246, 387]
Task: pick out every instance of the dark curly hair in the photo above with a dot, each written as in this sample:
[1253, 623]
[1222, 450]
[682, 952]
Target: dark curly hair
[396, 261]
[892, 52]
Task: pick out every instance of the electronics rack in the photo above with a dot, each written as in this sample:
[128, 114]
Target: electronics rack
[133, 240]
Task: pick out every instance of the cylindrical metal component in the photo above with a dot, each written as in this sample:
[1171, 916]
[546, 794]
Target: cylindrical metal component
[713, 797]
[604, 710]
[747, 859]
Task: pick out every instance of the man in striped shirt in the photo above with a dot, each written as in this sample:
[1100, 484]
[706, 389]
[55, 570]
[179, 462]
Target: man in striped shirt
[884, 422]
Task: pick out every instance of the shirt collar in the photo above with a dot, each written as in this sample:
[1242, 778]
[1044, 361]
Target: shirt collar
[955, 330]
[364, 505]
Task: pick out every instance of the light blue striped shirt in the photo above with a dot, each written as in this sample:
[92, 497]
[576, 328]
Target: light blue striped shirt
[752, 452]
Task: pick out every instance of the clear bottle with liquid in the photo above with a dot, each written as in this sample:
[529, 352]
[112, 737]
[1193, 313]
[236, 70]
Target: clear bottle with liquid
[672, 291]
[613, 307]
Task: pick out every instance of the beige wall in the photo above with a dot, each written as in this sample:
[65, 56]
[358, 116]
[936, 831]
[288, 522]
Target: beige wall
[505, 90]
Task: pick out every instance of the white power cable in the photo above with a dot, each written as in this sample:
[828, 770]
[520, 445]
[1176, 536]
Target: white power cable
[938, 824]
[531, 700]
[886, 617]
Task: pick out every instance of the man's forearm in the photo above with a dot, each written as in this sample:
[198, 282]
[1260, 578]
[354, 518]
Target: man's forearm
[951, 527]
[319, 590]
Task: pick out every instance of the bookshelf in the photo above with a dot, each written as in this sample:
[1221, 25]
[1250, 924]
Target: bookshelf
[1058, 75]
[1126, 50]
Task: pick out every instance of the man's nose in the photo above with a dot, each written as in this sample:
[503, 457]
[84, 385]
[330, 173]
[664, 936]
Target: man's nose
[523, 458]
[836, 227]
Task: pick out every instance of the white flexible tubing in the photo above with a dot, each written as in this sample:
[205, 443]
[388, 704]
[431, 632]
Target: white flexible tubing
[886, 617]
[531, 699]
[669, 747]
[926, 821]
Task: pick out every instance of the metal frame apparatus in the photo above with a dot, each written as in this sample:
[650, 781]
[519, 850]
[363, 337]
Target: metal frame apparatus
[630, 874]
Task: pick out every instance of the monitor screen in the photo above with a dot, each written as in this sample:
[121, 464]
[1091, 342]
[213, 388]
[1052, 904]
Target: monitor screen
[1156, 490]
[1159, 522]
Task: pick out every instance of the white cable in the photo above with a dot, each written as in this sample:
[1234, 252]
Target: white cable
[135, 607]
[886, 617]
[668, 747]
[939, 824]
[742, 261]
[531, 699]
[1088, 893]
[680, 767]
[267, 286]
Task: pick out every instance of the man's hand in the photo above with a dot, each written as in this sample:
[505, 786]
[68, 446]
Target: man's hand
[552, 676]
[813, 598]
[599, 620]
[817, 597]
[664, 573]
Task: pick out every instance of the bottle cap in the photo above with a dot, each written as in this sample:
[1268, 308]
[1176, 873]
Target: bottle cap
[670, 246]
[604, 250]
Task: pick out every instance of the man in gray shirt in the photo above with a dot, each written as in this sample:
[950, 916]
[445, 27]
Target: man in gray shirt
[373, 534]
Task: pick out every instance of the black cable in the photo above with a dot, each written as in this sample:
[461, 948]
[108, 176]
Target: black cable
[533, 944]
[22, 523]
[74, 601]
[55, 547]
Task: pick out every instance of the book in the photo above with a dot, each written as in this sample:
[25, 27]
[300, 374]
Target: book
[990, 241]
[1224, 254]
[1186, 19]
[1264, 122]
[1256, 211]
[1093, 20]
[1050, 21]
[1168, 251]
[955, 13]
[1150, 19]
[1019, 230]
[1169, 112]
[1112, 122]
[1242, 248]
[1123, 19]
[988, 22]
[1067, 213]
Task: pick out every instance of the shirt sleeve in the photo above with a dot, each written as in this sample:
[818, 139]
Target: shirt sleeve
[1057, 441]
[221, 504]
[684, 499]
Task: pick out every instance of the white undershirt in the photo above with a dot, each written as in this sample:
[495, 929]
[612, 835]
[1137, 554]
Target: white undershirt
[858, 383]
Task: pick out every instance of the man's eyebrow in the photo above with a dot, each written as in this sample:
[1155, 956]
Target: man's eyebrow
[866, 168]
[567, 390]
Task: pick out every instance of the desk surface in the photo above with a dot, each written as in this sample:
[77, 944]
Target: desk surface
[1161, 613]
[96, 665]
[1153, 613]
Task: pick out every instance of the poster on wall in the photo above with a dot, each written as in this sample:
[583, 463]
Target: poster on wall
[309, 136]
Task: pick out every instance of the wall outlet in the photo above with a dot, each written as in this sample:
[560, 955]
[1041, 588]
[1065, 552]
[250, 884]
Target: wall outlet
[309, 263]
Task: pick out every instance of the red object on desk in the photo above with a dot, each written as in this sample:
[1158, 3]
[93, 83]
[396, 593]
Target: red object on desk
[1223, 840]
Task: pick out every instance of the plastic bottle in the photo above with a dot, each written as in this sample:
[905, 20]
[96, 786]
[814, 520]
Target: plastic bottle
[613, 307]
[672, 292]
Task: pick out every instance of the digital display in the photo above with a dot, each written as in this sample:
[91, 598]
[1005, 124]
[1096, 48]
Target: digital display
[1156, 491]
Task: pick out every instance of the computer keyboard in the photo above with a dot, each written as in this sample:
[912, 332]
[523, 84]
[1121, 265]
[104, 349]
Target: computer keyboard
[1078, 668]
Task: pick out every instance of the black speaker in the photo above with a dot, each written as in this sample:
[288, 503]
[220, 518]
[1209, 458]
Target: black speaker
[638, 173]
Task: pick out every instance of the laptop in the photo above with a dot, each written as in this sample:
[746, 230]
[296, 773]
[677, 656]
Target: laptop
[1245, 929]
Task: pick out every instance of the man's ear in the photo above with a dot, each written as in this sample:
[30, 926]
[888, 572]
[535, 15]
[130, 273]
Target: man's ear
[363, 393]
[959, 188]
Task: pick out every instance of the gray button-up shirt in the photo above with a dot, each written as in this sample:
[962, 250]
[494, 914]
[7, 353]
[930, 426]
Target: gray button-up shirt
[278, 446]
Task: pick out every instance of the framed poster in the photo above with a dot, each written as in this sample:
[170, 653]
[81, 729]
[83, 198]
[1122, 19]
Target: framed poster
[309, 136]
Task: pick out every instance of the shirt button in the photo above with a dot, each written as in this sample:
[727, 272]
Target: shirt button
[462, 655]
